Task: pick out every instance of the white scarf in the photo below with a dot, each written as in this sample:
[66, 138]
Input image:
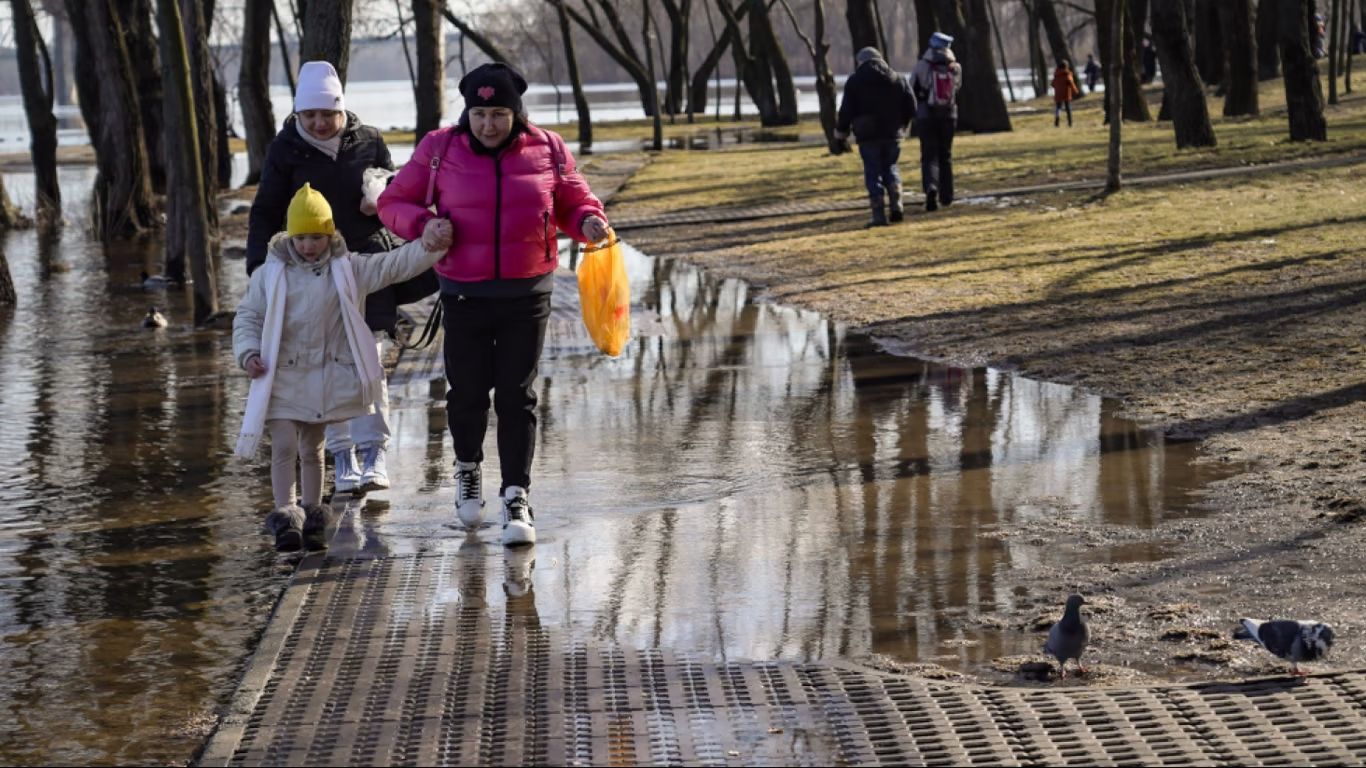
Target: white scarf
[272, 328]
[358, 337]
[329, 147]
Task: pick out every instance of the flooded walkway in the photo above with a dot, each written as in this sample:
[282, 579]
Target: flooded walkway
[400, 660]
[728, 514]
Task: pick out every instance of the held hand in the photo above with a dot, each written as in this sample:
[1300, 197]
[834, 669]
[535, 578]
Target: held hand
[367, 207]
[255, 368]
[437, 235]
[840, 135]
[595, 229]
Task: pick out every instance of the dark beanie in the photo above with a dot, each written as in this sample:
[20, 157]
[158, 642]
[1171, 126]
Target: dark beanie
[493, 85]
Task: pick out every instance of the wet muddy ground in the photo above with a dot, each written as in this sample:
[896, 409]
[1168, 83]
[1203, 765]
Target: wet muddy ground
[1266, 374]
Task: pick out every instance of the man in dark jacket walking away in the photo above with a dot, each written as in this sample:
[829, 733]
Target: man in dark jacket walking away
[936, 79]
[878, 106]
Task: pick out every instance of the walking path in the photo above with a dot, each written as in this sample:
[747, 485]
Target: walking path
[369, 661]
[378, 657]
[726, 215]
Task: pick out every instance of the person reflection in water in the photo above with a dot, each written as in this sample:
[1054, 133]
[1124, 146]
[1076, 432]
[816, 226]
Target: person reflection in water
[508, 187]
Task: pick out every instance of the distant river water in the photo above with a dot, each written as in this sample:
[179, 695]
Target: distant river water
[389, 105]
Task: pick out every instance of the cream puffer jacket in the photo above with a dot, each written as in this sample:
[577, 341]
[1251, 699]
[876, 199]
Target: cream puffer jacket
[316, 379]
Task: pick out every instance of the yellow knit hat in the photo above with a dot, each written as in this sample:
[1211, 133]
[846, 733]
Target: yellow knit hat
[309, 213]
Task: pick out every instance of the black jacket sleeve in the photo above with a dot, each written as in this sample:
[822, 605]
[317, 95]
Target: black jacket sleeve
[847, 106]
[268, 209]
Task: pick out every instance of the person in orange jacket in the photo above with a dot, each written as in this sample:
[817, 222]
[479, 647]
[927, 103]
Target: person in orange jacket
[1064, 90]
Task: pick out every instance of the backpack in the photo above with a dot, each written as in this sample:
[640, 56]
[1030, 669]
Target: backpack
[941, 86]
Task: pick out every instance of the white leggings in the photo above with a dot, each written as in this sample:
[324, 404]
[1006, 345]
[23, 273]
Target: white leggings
[290, 440]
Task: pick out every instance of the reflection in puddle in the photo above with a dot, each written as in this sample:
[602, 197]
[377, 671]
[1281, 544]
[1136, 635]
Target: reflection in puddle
[752, 481]
[748, 481]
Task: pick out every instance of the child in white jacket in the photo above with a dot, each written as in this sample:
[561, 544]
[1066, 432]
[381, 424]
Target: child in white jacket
[300, 334]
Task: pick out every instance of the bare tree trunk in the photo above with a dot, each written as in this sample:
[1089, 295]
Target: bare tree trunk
[327, 34]
[676, 84]
[765, 45]
[140, 42]
[657, 143]
[1057, 38]
[1268, 50]
[1181, 80]
[285, 63]
[36, 83]
[863, 24]
[431, 65]
[981, 105]
[697, 97]
[619, 51]
[1334, 35]
[1241, 45]
[195, 17]
[253, 85]
[190, 231]
[580, 99]
[1303, 94]
[1209, 42]
[1001, 50]
[825, 79]
[926, 22]
[122, 196]
[1114, 91]
[1135, 104]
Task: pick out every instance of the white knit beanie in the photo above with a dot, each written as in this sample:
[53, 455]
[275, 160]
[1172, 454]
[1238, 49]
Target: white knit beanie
[319, 88]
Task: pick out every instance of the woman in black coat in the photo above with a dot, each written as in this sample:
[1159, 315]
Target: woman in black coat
[326, 146]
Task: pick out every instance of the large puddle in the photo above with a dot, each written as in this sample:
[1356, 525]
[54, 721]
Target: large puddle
[749, 481]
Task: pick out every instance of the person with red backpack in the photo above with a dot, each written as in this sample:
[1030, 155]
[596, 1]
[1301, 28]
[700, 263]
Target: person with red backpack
[936, 80]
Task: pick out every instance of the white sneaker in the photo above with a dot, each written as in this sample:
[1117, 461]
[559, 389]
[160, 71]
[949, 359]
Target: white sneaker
[518, 521]
[469, 494]
[519, 562]
[374, 472]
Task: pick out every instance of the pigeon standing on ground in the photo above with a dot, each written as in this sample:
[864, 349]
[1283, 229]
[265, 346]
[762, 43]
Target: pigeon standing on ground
[1067, 639]
[1294, 641]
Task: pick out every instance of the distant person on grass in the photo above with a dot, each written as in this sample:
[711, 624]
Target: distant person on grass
[324, 145]
[1092, 72]
[936, 79]
[1064, 90]
[878, 106]
[300, 334]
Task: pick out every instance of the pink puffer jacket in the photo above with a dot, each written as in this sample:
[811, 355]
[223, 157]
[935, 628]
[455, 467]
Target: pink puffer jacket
[505, 209]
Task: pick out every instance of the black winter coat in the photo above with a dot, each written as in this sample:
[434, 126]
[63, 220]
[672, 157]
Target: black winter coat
[878, 103]
[290, 162]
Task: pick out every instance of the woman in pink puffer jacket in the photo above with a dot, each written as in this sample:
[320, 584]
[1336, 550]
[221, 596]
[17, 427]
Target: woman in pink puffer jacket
[507, 187]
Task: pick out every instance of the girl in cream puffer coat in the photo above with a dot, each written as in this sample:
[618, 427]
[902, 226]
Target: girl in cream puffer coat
[300, 334]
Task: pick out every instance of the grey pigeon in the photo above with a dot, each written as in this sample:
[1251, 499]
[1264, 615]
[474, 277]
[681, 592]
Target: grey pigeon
[1294, 641]
[1067, 639]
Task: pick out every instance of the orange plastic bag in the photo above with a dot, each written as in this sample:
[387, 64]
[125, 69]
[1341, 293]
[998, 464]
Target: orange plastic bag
[605, 295]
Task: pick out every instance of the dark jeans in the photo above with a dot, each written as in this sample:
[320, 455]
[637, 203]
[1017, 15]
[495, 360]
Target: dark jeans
[494, 344]
[879, 165]
[936, 156]
[1058, 107]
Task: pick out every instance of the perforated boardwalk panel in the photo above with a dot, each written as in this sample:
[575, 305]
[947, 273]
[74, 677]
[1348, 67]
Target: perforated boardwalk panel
[378, 665]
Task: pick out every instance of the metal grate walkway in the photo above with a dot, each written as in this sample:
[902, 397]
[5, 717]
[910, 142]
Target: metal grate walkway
[397, 660]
